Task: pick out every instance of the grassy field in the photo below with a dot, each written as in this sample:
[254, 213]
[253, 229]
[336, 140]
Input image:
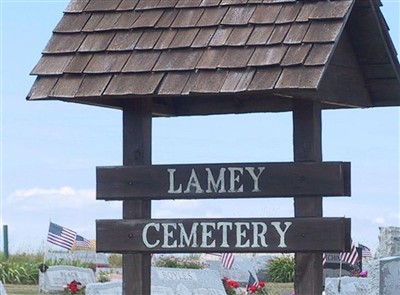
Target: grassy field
[273, 289]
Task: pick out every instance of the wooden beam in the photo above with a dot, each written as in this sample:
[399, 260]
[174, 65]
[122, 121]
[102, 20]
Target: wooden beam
[307, 147]
[235, 180]
[137, 116]
[255, 235]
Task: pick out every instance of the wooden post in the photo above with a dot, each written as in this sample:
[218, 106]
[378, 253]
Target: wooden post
[137, 116]
[307, 147]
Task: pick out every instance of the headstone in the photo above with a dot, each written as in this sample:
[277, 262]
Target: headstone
[57, 277]
[384, 276]
[389, 242]
[389, 276]
[82, 256]
[332, 267]
[170, 281]
[2, 289]
[348, 286]
[239, 271]
[108, 288]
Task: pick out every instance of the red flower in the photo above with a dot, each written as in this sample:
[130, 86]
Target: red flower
[234, 284]
[252, 289]
[261, 284]
[73, 286]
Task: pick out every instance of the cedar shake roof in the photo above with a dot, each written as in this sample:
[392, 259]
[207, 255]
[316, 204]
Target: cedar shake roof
[220, 56]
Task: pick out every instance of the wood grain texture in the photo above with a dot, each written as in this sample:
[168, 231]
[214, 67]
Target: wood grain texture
[271, 180]
[256, 235]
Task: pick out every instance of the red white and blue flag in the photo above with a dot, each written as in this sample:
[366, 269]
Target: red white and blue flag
[61, 236]
[366, 252]
[82, 242]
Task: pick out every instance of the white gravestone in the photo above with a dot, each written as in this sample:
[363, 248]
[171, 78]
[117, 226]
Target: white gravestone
[348, 286]
[239, 271]
[172, 281]
[2, 289]
[57, 277]
[114, 288]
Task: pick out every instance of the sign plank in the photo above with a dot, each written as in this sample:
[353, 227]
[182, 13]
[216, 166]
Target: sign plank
[264, 235]
[200, 181]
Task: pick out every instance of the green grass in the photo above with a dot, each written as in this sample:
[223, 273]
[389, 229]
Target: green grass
[273, 289]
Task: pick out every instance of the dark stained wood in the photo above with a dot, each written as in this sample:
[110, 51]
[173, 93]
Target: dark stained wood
[265, 14]
[166, 19]
[184, 38]
[64, 43]
[125, 41]
[210, 58]
[239, 15]
[78, 63]
[165, 39]
[72, 23]
[331, 9]
[141, 61]
[107, 62]
[67, 87]
[137, 151]
[148, 19]
[148, 39]
[100, 5]
[221, 35]
[52, 64]
[187, 18]
[127, 5]
[174, 83]
[108, 22]
[260, 35]
[319, 54]
[265, 78]
[126, 20]
[93, 85]
[238, 80]
[289, 13]
[278, 34]
[267, 56]
[209, 82]
[96, 42]
[235, 57]
[203, 38]
[143, 83]
[42, 87]
[256, 235]
[307, 146]
[223, 180]
[239, 36]
[212, 16]
[300, 77]
[76, 6]
[296, 55]
[321, 32]
[178, 60]
[296, 33]
[93, 22]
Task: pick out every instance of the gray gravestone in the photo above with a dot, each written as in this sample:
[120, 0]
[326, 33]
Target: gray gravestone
[389, 242]
[348, 286]
[171, 281]
[57, 277]
[114, 288]
[2, 289]
[389, 279]
[239, 271]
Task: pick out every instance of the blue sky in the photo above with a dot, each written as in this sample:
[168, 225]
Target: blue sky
[49, 150]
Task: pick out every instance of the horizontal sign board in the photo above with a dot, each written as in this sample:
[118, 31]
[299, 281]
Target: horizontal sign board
[209, 181]
[262, 235]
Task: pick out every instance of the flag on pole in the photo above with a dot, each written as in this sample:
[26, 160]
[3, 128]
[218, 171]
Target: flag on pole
[227, 260]
[61, 236]
[366, 252]
[324, 259]
[350, 257]
[82, 242]
[252, 281]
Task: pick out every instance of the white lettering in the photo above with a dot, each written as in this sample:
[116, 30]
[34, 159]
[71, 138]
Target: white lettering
[220, 183]
[235, 179]
[277, 225]
[259, 235]
[193, 182]
[168, 234]
[207, 234]
[241, 234]
[184, 237]
[224, 226]
[255, 177]
[172, 189]
[144, 235]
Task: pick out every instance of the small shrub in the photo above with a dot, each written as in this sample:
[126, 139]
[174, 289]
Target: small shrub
[191, 261]
[115, 260]
[281, 269]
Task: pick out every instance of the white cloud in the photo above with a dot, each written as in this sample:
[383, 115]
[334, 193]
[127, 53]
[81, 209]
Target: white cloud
[36, 199]
[379, 220]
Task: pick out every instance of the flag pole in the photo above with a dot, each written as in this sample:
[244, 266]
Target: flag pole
[340, 275]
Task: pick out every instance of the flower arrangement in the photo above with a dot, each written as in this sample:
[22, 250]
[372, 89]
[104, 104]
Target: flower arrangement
[74, 287]
[231, 286]
[257, 289]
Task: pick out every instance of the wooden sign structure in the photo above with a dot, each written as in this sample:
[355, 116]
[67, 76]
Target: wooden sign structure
[183, 58]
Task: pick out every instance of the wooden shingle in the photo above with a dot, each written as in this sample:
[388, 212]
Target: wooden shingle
[102, 52]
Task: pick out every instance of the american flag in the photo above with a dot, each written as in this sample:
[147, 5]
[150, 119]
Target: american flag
[61, 236]
[82, 242]
[324, 259]
[350, 257]
[366, 252]
[227, 260]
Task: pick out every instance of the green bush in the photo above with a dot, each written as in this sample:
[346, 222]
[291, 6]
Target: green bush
[191, 261]
[281, 269]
